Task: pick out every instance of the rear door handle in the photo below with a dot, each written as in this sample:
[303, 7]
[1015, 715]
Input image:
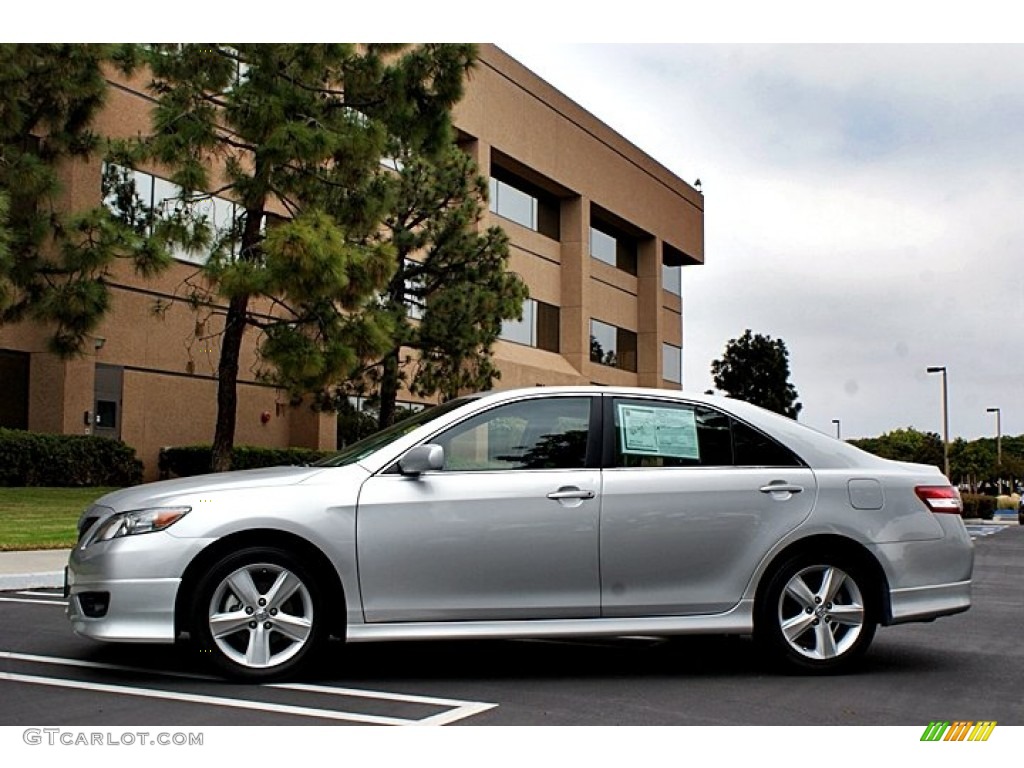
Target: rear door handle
[570, 493]
[781, 488]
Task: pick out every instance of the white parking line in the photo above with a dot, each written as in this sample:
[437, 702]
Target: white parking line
[195, 698]
[459, 709]
[32, 600]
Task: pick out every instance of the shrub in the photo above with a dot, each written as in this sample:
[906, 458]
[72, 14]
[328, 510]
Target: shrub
[38, 459]
[979, 505]
[1007, 502]
[189, 460]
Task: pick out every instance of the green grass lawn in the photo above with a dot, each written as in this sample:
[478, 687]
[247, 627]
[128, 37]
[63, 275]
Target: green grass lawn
[42, 518]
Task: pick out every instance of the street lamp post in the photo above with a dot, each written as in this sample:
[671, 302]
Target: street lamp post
[945, 415]
[999, 445]
[839, 432]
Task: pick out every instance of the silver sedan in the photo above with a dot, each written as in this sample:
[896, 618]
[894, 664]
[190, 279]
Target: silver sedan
[544, 512]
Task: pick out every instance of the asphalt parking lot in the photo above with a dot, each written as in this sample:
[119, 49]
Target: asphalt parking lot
[964, 667]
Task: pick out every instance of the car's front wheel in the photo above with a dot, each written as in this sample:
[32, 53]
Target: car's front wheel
[257, 615]
[817, 613]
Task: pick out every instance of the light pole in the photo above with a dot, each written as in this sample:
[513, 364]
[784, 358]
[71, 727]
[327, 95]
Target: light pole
[999, 445]
[945, 415]
[839, 432]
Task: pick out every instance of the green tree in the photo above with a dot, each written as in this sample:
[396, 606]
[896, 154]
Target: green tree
[755, 368]
[54, 263]
[450, 290]
[300, 130]
[907, 444]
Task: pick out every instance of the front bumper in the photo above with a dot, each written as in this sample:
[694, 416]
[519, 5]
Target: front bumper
[140, 576]
[140, 611]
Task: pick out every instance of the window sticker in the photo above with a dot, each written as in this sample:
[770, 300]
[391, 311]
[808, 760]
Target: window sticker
[653, 431]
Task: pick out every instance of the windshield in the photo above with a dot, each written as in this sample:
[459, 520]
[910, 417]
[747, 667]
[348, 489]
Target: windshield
[363, 448]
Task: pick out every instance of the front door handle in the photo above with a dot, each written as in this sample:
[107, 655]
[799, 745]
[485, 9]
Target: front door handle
[568, 492]
[781, 487]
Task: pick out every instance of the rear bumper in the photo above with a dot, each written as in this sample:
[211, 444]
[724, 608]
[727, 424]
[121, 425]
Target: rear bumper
[931, 602]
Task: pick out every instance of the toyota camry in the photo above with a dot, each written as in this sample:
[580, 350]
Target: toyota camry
[544, 512]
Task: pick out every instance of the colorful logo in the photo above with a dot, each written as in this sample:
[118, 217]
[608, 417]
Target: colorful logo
[961, 730]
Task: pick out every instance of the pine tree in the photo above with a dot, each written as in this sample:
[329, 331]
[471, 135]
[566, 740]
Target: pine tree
[755, 368]
[451, 289]
[54, 264]
[300, 131]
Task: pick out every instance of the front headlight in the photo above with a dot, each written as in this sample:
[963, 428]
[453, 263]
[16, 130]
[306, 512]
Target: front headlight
[138, 521]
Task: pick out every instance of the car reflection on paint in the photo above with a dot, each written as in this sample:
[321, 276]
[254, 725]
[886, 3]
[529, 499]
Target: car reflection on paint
[545, 512]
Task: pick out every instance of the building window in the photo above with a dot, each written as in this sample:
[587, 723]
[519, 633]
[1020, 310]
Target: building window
[672, 279]
[14, 368]
[538, 328]
[612, 346]
[672, 363]
[612, 247]
[415, 300]
[672, 269]
[524, 204]
[513, 204]
[140, 199]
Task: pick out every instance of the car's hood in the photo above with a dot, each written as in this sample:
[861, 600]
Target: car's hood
[150, 494]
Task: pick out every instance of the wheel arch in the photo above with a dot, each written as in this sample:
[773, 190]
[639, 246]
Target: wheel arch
[325, 573]
[839, 545]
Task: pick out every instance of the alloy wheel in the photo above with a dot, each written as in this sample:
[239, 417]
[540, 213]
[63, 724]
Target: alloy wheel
[261, 615]
[821, 612]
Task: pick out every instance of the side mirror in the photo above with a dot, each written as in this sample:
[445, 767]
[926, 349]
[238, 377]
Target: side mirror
[422, 458]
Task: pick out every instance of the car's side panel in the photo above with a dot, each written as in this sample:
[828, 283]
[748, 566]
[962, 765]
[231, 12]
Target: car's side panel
[686, 540]
[451, 546]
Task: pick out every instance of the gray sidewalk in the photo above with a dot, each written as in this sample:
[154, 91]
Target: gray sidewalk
[33, 570]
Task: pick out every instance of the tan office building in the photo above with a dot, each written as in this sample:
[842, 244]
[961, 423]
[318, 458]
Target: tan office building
[600, 232]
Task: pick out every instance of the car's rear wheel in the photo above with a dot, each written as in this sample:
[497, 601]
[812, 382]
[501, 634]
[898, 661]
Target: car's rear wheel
[257, 615]
[818, 613]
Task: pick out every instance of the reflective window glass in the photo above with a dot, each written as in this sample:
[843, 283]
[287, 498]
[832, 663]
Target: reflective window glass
[602, 246]
[754, 449]
[543, 433]
[672, 363]
[652, 433]
[522, 331]
[672, 279]
[603, 343]
[513, 204]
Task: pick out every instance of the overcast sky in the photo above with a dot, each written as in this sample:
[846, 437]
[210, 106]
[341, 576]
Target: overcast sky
[865, 204]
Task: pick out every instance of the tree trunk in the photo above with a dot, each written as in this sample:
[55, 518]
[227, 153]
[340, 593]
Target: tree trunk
[389, 388]
[227, 384]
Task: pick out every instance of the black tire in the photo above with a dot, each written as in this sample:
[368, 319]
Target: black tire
[268, 613]
[817, 614]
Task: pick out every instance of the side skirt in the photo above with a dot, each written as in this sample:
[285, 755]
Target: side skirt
[738, 621]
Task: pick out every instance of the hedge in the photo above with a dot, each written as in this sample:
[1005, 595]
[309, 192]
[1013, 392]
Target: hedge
[189, 460]
[38, 459]
[979, 505]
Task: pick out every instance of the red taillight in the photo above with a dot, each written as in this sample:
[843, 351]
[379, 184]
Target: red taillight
[940, 498]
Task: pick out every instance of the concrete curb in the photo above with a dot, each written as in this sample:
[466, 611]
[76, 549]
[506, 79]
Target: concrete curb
[33, 569]
[50, 580]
